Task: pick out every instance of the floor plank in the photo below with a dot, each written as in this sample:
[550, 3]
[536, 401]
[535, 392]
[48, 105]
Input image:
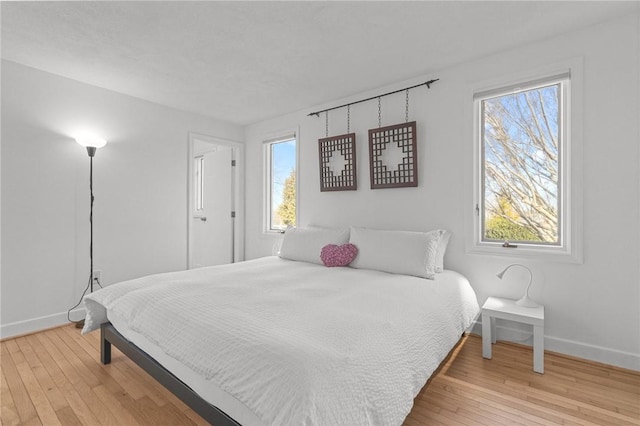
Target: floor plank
[23, 404]
[55, 377]
[8, 413]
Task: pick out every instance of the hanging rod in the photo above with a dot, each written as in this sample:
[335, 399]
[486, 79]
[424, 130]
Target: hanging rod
[426, 83]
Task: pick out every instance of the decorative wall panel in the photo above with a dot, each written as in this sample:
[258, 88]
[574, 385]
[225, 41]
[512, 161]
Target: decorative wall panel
[338, 163]
[393, 160]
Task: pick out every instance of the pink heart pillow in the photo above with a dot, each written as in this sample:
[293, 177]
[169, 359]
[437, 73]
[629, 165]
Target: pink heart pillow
[333, 255]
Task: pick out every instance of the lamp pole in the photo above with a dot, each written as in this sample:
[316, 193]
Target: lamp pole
[91, 151]
[92, 143]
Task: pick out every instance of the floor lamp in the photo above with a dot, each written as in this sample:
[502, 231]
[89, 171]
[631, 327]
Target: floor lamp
[92, 143]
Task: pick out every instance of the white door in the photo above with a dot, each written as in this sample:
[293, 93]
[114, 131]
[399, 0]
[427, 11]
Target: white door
[212, 222]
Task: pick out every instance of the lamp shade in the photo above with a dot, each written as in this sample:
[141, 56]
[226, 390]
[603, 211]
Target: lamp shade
[89, 140]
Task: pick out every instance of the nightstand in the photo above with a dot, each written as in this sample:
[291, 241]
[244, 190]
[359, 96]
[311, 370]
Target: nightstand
[507, 309]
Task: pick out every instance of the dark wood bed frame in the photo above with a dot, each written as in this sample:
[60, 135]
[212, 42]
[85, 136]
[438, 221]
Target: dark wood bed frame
[110, 336]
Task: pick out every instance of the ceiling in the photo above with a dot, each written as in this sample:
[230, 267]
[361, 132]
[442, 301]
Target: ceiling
[244, 62]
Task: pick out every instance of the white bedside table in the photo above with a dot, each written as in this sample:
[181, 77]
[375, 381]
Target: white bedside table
[496, 307]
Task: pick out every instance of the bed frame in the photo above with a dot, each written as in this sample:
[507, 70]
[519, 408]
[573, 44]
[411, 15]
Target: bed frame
[110, 336]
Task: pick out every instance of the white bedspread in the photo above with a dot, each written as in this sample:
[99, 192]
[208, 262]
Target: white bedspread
[299, 343]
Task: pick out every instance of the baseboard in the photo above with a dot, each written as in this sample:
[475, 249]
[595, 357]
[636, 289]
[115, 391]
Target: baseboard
[20, 328]
[595, 353]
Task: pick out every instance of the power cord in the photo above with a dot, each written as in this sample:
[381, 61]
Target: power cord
[97, 281]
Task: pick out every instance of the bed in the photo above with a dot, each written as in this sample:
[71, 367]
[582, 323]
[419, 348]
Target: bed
[277, 341]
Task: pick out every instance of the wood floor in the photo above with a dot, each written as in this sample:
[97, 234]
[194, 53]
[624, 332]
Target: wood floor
[55, 377]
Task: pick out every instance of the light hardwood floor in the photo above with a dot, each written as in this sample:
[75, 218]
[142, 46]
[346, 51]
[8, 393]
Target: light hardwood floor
[55, 377]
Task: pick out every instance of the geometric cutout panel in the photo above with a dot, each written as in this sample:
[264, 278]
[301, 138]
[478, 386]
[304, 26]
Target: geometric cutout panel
[338, 163]
[393, 160]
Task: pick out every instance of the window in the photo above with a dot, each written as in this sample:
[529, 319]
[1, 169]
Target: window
[522, 181]
[281, 187]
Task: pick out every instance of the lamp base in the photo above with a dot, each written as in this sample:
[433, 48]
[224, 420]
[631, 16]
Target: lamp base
[526, 302]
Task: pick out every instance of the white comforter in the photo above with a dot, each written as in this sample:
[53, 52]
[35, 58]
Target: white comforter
[299, 343]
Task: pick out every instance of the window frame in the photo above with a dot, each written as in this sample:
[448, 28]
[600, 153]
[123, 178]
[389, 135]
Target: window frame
[268, 143]
[570, 164]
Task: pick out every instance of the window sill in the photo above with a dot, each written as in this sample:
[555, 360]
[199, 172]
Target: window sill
[273, 233]
[552, 254]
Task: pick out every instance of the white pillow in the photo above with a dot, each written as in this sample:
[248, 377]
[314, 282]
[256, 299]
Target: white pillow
[305, 244]
[397, 252]
[442, 249]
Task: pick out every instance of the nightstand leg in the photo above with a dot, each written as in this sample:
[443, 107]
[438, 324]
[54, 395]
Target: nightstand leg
[486, 336]
[494, 334]
[538, 349]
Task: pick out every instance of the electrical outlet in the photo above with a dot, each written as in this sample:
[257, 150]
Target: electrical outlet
[97, 276]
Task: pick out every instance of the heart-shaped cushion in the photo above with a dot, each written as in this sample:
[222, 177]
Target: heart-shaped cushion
[333, 255]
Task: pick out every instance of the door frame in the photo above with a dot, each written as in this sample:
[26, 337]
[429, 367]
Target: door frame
[238, 192]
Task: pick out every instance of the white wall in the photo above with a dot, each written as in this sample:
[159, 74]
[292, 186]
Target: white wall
[140, 188]
[593, 308]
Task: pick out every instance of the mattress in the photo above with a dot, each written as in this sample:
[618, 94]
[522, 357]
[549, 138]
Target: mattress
[272, 341]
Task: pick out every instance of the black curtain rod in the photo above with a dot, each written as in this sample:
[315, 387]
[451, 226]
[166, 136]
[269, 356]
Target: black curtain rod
[427, 83]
